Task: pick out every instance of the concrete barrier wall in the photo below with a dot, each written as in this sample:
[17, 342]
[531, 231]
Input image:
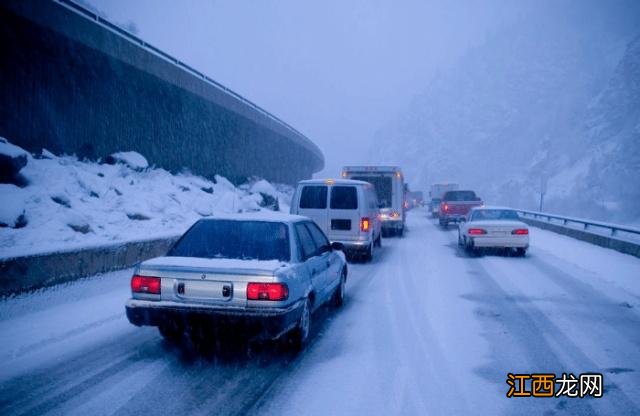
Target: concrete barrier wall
[622, 246]
[33, 272]
[72, 85]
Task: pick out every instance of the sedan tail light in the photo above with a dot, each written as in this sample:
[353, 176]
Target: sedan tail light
[145, 284]
[477, 231]
[365, 224]
[267, 291]
[520, 231]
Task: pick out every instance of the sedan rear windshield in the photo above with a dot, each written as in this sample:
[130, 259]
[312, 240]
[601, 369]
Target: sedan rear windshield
[229, 239]
[460, 196]
[494, 214]
[344, 197]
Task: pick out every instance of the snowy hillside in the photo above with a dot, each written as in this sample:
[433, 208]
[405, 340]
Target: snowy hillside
[78, 203]
[521, 111]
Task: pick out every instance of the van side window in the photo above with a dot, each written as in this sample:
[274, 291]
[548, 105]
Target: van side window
[314, 197]
[344, 197]
[306, 241]
[318, 236]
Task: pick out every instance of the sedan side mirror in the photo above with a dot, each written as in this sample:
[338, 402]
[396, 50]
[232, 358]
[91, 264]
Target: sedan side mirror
[337, 246]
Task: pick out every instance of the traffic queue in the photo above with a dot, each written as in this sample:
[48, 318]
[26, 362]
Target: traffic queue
[263, 274]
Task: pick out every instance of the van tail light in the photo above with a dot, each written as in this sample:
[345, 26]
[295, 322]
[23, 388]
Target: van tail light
[520, 231]
[395, 214]
[477, 231]
[267, 291]
[365, 224]
[145, 284]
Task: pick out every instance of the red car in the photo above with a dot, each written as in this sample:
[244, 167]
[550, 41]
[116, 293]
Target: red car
[456, 205]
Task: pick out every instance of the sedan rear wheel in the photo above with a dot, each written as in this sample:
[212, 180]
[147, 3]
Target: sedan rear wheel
[368, 255]
[300, 335]
[338, 296]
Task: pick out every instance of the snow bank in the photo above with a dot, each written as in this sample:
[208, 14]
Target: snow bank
[71, 204]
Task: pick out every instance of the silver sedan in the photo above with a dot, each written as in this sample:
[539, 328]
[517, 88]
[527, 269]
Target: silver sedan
[493, 227]
[259, 274]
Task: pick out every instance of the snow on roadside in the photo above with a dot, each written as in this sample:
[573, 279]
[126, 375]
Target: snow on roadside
[70, 204]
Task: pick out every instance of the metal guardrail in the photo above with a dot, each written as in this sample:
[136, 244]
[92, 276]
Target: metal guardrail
[586, 224]
[81, 10]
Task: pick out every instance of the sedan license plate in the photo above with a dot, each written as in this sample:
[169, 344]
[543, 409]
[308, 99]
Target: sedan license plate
[499, 233]
[204, 290]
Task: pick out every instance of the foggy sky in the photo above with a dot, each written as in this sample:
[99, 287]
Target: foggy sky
[335, 70]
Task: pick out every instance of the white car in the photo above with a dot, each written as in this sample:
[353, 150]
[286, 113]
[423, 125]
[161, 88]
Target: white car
[493, 227]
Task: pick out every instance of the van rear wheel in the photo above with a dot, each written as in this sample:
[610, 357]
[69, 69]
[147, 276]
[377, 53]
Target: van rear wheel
[368, 255]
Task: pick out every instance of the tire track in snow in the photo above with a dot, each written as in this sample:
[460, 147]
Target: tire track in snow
[535, 335]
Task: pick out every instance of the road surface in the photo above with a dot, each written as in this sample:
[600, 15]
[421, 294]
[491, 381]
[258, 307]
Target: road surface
[425, 329]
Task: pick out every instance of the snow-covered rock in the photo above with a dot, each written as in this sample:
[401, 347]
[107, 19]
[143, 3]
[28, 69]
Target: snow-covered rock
[132, 159]
[47, 154]
[12, 159]
[264, 187]
[12, 207]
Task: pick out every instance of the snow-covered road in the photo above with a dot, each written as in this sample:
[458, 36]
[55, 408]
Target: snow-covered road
[425, 330]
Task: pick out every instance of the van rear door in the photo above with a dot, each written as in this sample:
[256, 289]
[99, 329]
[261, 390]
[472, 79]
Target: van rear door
[344, 213]
[313, 204]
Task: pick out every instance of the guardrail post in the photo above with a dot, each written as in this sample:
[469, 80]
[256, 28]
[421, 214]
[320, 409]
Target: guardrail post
[586, 225]
[564, 222]
[614, 231]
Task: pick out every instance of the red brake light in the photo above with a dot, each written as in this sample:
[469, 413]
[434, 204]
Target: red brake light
[365, 224]
[267, 291]
[520, 231]
[477, 231]
[145, 284]
[446, 207]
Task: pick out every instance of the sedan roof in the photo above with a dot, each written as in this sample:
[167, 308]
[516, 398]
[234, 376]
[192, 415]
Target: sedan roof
[268, 216]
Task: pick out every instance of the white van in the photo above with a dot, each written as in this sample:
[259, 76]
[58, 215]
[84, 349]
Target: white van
[346, 210]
